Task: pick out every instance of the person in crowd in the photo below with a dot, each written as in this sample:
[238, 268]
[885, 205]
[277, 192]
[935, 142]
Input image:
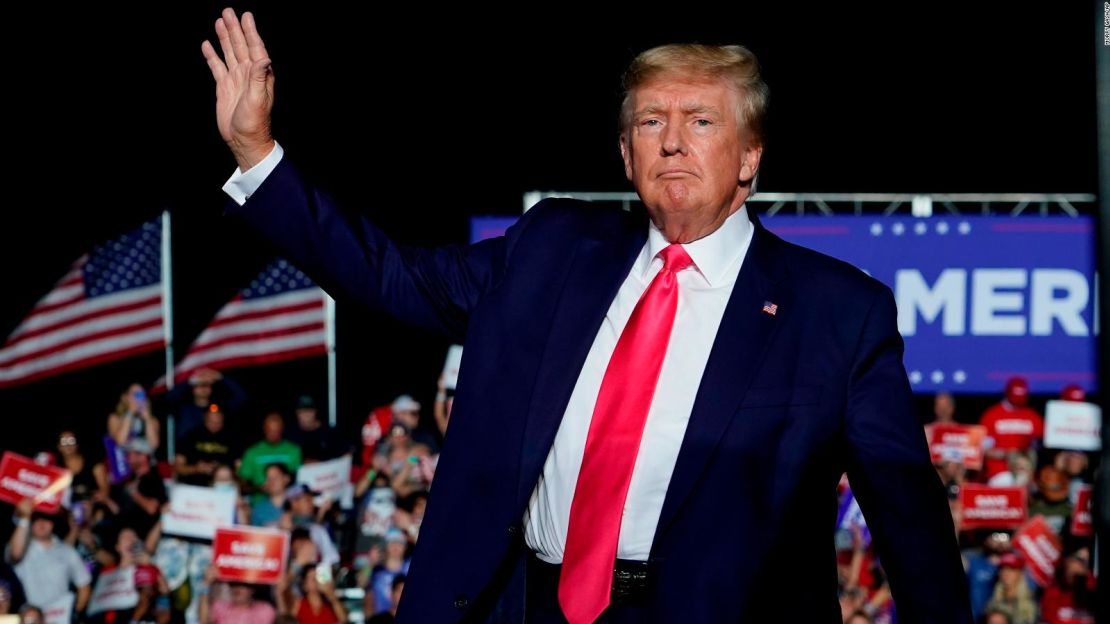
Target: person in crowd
[302, 512]
[316, 602]
[316, 440]
[1051, 500]
[1012, 594]
[1019, 472]
[1073, 392]
[273, 448]
[1071, 597]
[944, 408]
[131, 556]
[1011, 425]
[389, 616]
[268, 504]
[241, 607]
[396, 562]
[205, 448]
[190, 401]
[90, 480]
[141, 497]
[302, 552]
[30, 614]
[415, 473]
[406, 410]
[410, 514]
[46, 566]
[133, 419]
[1074, 465]
[982, 570]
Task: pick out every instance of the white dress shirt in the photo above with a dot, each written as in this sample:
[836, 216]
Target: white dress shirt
[704, 291]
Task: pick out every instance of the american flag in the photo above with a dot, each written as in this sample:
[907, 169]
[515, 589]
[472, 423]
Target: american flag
[107, 307]
[770, 308]
[279, 316]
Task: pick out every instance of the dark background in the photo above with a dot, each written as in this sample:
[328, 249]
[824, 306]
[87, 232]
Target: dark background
[422, 117]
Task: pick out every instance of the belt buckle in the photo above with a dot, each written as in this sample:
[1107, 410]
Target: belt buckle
[629, 584]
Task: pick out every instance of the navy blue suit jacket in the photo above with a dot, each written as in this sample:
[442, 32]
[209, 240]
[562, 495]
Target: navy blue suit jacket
[788, 402]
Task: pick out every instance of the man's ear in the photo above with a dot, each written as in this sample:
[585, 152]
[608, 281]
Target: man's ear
[750, 163]
[626, 154]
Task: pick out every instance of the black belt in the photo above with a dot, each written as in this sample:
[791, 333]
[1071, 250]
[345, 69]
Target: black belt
[631, 579]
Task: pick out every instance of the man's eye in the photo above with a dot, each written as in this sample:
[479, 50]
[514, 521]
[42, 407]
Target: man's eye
[703, 122]
[651, 122]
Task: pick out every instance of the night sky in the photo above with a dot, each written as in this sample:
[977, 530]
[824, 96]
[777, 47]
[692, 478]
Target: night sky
[421, 118]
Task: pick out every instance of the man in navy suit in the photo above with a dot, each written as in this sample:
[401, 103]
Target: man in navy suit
[655, 407]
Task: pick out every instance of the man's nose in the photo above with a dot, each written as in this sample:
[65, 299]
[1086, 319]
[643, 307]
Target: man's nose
[673, 139]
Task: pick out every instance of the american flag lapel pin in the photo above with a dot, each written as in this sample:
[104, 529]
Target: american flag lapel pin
[770, 308]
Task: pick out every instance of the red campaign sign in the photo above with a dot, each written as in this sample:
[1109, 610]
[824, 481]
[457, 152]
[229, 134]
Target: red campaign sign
[1041, 548]
[985, 507]
[21, 477]
[959, 442]
[1081, 517]
[249, 554]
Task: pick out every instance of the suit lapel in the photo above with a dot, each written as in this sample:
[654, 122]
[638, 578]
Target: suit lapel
[736, 356]
[596, 273]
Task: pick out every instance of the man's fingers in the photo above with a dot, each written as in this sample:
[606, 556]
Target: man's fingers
[219, 70]
[255, 47]
[225, 44]
[238, 42]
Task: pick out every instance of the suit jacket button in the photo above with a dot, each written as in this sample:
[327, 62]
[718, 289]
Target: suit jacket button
[513, 530]
[461, 602]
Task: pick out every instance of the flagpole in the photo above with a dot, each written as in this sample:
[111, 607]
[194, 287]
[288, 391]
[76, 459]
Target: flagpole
[329, 328]
[167, 324]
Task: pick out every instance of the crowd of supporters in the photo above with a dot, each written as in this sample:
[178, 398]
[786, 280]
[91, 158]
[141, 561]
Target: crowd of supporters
[348, 562]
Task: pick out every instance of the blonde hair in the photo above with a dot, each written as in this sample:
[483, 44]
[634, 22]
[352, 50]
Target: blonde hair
[733, 63]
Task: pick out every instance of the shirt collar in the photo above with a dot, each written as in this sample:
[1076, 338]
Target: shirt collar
[715, 256]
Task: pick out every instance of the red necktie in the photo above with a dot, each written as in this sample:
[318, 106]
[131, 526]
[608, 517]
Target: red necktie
[612, 443]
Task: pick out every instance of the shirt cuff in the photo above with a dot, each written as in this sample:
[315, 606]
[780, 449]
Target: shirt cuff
[241, 185]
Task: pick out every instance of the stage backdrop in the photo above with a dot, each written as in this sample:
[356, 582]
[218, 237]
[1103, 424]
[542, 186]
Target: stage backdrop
[979, 298]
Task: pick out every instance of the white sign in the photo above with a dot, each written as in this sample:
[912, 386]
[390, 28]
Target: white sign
[332, 479]
[1072, 425]
[114, 591]
[197, 511]
[451, 366]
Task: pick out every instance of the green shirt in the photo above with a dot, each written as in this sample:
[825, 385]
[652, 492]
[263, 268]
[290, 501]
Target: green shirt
[262, 454]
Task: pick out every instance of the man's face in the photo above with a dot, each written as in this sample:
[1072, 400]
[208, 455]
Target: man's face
[306, 417]
[138, 461]
[276, 481]
[214, 421]
[202, 392]
[944, 406]
[301, 505]
[687, 154]
[241, 594]
[42, 529]
[273, 428]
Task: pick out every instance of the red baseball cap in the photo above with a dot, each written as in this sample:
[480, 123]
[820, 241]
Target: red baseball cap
[1010, 560]
[1073, 392]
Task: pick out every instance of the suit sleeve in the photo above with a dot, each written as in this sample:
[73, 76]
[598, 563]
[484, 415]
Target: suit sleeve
[352, 259]
[892, 477]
